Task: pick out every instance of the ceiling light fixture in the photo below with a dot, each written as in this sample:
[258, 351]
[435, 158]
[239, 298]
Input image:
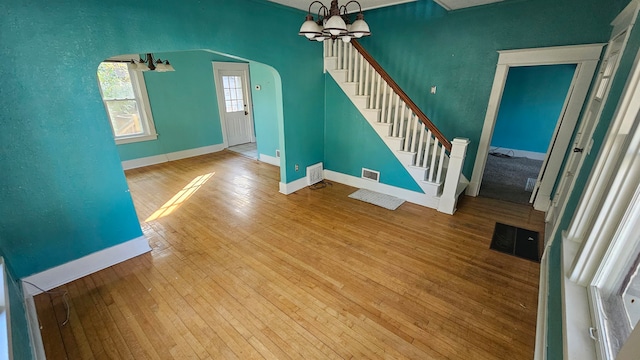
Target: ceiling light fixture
[334, 23]
[150, 64]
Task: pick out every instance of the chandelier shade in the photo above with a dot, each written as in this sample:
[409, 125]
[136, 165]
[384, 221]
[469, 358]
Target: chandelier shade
[334, 23]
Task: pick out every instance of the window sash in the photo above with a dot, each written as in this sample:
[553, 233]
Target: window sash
[147, 126]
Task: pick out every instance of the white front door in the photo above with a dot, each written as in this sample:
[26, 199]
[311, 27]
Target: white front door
[234, 99]
[583, 139]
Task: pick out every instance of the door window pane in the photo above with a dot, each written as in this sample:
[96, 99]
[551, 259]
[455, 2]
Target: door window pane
[233, 96]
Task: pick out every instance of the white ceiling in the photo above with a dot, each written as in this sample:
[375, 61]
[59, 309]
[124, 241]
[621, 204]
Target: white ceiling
[366, 4]
[461, 4]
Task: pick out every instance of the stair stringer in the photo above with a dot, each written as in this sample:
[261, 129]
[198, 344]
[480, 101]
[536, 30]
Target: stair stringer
[431, 190]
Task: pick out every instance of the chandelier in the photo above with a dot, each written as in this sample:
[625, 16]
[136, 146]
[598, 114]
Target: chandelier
[334, 23]
[149, 63]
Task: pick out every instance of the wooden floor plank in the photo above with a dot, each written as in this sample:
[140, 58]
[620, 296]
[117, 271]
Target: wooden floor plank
[240, 271]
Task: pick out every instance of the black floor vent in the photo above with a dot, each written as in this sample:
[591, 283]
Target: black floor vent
[516, 241]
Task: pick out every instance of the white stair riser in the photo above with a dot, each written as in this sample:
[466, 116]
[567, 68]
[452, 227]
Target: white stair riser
[406, 158]
[394, 143]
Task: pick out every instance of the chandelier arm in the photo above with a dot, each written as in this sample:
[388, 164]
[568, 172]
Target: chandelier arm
[353, 1]
[321, 6]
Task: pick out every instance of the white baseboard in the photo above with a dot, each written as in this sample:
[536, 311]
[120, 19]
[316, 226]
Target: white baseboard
[269, 159]
[37, 347]
[521, 153]
[84, 266]
[158, 159]
[407, 195]
[293, 186]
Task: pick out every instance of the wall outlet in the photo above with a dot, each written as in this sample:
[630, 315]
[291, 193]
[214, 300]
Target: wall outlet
[297, 167]
[277, 153]
[433, 89]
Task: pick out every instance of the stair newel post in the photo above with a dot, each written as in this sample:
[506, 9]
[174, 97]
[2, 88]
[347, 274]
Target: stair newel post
[449, 198]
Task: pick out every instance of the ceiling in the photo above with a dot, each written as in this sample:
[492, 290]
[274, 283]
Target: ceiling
[373, 4]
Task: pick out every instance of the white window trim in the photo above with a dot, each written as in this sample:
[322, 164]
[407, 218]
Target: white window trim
[619, 209]
[142, 97]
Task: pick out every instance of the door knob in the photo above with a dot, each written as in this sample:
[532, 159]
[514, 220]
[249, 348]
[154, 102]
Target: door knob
[577, 150]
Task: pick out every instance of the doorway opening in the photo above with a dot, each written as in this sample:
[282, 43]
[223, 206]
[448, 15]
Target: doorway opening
[531, 105]
[586, 57]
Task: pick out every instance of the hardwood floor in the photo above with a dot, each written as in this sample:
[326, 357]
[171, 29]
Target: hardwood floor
[239, 271]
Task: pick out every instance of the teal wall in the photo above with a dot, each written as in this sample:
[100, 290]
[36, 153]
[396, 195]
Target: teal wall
[183, 104]
[554, 336]
[531, 103]
[420, 45]
[63, 191]
[351, 143]
[267, 104]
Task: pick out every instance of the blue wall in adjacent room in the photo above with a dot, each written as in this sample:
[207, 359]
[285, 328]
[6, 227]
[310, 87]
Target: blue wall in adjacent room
[420, 45]
[267, 104]
[531, 103]
[351, 143]
[64, 194]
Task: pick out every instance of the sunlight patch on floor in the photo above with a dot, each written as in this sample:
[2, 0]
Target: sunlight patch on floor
[181, 197]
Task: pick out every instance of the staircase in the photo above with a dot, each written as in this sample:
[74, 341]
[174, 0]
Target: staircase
[434, 162]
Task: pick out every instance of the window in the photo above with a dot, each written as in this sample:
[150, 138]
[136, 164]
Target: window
[233, 98]
[125, 99]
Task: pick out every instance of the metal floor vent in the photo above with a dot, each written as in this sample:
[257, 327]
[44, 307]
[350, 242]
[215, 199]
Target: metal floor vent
[371, 174]
[315, 174]
[531, 183]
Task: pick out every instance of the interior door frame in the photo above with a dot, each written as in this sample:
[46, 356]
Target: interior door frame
[586, 58]
[218, 67]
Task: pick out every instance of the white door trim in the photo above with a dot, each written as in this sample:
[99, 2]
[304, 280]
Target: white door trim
[219, 66]
[585, 56]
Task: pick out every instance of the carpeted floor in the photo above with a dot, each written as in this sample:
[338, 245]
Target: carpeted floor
[505, 178]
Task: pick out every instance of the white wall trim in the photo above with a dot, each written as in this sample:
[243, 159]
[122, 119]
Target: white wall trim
[407, 195]
[576, 312]
[540, 352]
[86, 265]
[269, 159]
[178, 155]
[290, 188]
[586, 56]
[521, 153]
[37, 347]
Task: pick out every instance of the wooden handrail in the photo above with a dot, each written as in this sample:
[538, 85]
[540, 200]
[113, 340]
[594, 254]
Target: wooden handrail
[416, 110]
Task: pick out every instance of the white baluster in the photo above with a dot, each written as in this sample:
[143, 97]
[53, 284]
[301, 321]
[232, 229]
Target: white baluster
[366, 79]
[350, 65]
[378, 92]
[385, 102]
[403, 124]
[433, 160]
[427, 147]
[396, 127]
[407, 135]
[372, 89]
[440, 165]
[415, 133]
[361, 79]
[340, 62]
[420, 155]
[390, 111]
